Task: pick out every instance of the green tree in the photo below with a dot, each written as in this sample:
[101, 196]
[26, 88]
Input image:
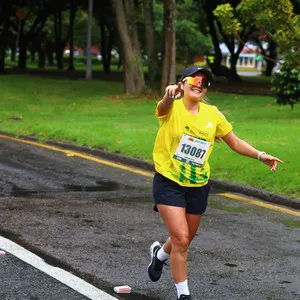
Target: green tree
[275, 19]
[218, 34]
[190, 41]
[29, 27]
[191, 35]
[80, 28]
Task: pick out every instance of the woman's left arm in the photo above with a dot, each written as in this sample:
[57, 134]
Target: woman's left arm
[243, 148]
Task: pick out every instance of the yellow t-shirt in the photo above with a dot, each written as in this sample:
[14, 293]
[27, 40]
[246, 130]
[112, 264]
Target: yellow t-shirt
[185, 141]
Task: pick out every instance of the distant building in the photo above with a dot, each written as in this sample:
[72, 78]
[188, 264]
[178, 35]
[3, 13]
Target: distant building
[250, 57]
[94, 50]
[246, 60]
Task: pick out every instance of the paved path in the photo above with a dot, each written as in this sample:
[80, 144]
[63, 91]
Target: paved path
[94, 219]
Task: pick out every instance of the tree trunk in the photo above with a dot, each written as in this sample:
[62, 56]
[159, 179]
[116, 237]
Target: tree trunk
[25, 38]
[42, 55]
[59, 43]
[234, 56]
[49, 53]
[107, 37]
[153, 65]
[272, 49]
[23, 43]
[233, 75]
[132, 61]
[120, 60]
[269, 68]
[2, 59]
[59, 48]
[107, 25]
[5, 10]
[169, 60]
[215, 66]
[22, 53]
[71, 30]
[13, 53]
[32, 49]
[270, 53]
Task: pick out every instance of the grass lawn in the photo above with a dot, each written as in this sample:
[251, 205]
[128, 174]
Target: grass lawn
[98, 114]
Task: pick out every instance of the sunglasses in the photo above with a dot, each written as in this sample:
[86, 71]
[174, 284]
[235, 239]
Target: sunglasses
[197, 81]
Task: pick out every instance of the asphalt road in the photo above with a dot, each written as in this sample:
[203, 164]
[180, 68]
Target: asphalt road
[96, 221]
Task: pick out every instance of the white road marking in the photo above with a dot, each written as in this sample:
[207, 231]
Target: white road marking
[59, 274]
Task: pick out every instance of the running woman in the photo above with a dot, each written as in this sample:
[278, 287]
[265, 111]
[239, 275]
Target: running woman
[189, 127]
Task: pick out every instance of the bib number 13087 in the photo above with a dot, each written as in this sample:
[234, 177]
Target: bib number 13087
[191, 150]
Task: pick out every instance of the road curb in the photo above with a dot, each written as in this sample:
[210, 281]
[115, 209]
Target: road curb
[223, 185]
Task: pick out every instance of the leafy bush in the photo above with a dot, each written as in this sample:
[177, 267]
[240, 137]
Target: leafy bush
[286, 84]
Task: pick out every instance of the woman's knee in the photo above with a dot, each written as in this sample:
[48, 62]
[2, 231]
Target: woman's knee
[180, 242]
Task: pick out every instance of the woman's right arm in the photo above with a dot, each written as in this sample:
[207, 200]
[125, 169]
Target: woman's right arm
[166, 104]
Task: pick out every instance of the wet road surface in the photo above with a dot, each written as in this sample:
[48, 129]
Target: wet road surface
[97, 222]
[20, 280]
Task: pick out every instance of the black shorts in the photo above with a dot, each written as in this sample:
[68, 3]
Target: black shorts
[168, 192]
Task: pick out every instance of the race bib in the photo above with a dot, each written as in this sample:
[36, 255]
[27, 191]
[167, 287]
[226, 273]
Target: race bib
[192, 151]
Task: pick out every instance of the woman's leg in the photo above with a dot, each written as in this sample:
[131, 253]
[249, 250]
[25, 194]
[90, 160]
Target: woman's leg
[193, 224]
[182, 229]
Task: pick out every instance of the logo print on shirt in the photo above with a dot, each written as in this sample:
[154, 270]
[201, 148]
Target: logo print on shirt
[209, 125]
